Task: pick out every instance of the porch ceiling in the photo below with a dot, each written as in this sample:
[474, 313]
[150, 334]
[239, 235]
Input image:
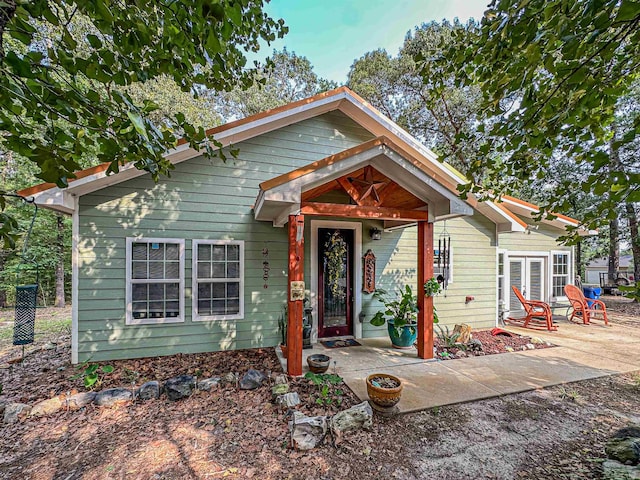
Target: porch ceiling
[374, 179]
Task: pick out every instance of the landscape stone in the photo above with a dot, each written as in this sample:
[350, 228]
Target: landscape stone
[624, 447]
[281, 380]
[460, 354]
[509, 349]
[208, 383]
[113, 396]
[252, 379]
[230, 378]
[179, 387]
[288, 400]
[475, 344]
[47, 407]
[537, 340]
[15, 411]
[357, 417]
[530, 346]
[80, 400]
[280, 389]
[307, 432]
[149, 390]
[614, 470]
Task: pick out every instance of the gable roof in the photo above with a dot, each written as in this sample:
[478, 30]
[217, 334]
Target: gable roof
[284, 194]
[528, 210]
[340, 99]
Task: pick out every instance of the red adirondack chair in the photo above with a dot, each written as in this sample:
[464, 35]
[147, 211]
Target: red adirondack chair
[538, 314]
[582, 310]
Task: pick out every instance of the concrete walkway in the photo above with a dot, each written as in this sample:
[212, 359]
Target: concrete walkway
[583, 352]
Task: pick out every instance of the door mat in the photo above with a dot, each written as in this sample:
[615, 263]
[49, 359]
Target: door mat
[349, 342]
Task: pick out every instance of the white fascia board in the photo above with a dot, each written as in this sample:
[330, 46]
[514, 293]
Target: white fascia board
[56, 199]
[98, 181]
[380, 125]
[505, 223]
[416, 182]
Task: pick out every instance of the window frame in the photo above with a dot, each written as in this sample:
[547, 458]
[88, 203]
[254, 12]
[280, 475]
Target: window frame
[130, 320]
[195, 315]
[552, 275]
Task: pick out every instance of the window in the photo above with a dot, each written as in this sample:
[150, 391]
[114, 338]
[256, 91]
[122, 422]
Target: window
[218, 280]
[155, 280]
[501, 280]
[560, 273]
[439, 264]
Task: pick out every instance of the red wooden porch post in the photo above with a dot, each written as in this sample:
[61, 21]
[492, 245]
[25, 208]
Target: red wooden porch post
[425, 304]
[294, 309]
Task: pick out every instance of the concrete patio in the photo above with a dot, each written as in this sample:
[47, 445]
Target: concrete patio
[583, 352]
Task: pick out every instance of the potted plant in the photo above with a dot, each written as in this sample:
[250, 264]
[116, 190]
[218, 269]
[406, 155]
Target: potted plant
[384, 390]
[401, 313]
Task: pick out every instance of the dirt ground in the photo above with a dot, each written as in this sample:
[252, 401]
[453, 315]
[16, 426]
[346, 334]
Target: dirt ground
[555, 433]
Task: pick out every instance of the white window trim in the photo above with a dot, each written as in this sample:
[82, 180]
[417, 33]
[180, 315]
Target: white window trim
[194, 282]
[129, 291]
[569, 272]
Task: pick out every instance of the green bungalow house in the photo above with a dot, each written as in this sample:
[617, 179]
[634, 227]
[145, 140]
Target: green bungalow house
[209, 258]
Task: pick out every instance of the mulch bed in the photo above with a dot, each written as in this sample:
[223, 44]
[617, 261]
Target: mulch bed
[491, 345]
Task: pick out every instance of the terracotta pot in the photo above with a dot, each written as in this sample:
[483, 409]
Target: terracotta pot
[382, 396]
[318, 363]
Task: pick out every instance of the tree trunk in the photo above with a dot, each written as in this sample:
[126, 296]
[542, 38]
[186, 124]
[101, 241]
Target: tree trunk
[614, 251]
[60, 302]
[614, 229]
[3, 293]
[579, 267]
[632, 216]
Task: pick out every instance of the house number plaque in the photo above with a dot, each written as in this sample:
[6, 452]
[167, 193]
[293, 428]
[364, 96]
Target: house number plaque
[297, 291]
[369, 277]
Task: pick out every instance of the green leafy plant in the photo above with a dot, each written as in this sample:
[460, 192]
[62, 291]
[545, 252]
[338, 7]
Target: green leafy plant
[631, 291]
[448, 339]
[566, 394]
[92, 374]
[327, 392]
[403, 310]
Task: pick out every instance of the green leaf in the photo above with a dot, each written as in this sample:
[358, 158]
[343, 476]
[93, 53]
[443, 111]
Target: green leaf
[628, 10]
[138, 123]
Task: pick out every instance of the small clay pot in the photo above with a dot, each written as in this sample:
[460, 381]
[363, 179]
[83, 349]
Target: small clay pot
[318, 363]
[382, 396]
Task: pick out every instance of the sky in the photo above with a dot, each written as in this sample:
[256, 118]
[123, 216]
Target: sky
[334, 33]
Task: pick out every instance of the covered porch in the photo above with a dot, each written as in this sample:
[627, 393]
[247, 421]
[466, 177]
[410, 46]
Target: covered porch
[374, 181]
[581, 353]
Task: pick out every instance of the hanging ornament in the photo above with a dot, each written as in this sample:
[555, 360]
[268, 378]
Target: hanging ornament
[265, 266]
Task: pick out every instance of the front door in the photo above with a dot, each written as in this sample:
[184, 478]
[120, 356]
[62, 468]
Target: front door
[528, 275]
[335, 282]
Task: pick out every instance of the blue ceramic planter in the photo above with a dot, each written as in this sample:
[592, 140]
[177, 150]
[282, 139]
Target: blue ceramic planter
[406, 339]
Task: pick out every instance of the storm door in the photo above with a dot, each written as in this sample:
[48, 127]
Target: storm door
[335, 282]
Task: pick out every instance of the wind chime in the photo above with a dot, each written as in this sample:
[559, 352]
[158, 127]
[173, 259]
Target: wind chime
[444, 258]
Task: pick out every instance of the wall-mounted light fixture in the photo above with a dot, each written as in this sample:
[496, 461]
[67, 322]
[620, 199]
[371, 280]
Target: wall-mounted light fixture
[376, 233]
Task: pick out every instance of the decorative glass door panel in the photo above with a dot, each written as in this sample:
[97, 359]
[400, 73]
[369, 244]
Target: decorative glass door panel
[335, 282]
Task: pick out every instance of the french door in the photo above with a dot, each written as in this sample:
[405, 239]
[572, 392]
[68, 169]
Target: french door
[527, 274]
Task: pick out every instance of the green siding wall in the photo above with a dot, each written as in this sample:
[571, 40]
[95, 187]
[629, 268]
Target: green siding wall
[540, 238]
[474, 271]
[203, 199]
